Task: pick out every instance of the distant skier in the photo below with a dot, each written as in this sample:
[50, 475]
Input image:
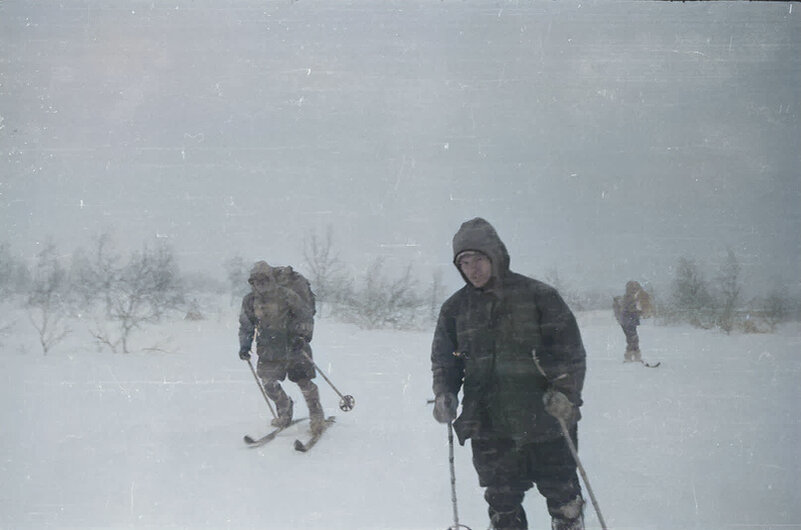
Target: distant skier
[635, 303]
[484, 343]
[279, 311]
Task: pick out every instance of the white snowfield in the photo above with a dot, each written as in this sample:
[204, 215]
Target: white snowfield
[153, 439]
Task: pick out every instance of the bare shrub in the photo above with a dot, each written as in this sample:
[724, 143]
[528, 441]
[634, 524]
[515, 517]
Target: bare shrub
[327, 273]
[775, 309]
[435, 296]
[691, 300]
[45, 303]
[14, 276]
[385, 302]
[137, 293]
[571, 297]
[236, 274]
[94, 274]
[728, 283]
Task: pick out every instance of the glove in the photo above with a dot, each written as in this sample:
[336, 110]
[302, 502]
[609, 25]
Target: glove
[445, 407]
[244, 355]
[558, 406]
[297, 343]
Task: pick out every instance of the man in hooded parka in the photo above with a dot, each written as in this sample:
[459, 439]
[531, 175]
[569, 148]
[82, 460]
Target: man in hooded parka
[485, 341]
[282, 322]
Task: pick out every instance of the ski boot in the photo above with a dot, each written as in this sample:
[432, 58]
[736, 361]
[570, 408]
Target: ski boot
[284, 406]
[636, 356]
[316, 416]
[512, 520]
[567, 524]
[569, 516]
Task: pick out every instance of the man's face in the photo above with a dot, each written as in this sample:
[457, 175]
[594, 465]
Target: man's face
[476, 267]
[261, 283]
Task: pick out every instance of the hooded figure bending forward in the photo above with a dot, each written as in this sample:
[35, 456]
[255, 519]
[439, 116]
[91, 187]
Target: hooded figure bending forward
[484, 343]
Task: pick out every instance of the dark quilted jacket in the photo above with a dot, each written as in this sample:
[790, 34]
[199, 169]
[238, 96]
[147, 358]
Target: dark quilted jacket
[484, 342]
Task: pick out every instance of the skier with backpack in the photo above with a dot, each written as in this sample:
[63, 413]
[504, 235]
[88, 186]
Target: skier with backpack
[279, 312]
[628, 309]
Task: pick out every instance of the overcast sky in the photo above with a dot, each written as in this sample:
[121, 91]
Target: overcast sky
[604, 140]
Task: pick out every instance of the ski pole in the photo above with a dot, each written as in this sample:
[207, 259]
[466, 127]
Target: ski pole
[456, 524]
[346, 402]
[263, 392]
[574, 452]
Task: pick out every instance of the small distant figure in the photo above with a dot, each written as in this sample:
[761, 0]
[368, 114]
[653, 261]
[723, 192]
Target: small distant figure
[628, 309]
[194, 313]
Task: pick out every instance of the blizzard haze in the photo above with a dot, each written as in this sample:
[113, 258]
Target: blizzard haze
[602, 139]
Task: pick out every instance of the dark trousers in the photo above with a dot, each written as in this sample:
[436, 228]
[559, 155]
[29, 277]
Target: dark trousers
[507, 471]
[277, 367]
[632, 343]
[629, 323]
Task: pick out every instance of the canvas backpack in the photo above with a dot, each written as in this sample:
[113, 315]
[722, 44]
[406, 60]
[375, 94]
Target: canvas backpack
[290, 278]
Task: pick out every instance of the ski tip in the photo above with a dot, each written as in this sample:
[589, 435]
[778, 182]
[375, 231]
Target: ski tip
[248, 439]
[299, 446]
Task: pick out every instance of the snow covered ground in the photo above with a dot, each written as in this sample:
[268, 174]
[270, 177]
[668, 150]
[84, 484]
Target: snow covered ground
[709, 440]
